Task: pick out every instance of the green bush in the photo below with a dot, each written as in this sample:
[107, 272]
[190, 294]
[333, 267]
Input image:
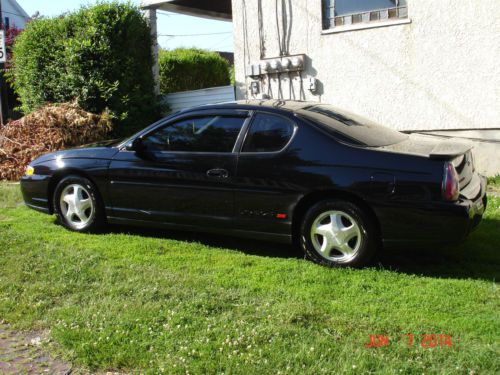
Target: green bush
[99, 55]
[191, 69]
[232, 75]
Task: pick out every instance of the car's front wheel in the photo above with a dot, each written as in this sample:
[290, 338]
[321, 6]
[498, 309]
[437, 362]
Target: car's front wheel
[338, 233]
[77, 205]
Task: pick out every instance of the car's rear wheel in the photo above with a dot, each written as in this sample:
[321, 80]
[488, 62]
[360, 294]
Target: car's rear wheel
[77, 204]
[338, 233]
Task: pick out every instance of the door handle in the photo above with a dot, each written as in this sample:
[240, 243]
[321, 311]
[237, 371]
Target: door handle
[218, 173]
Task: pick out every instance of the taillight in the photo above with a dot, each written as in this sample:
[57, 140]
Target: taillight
[451, 187]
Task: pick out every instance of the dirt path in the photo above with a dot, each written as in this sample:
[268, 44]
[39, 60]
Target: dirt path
[22, 354]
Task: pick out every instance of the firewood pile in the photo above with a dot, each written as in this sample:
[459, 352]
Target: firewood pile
[51, 128]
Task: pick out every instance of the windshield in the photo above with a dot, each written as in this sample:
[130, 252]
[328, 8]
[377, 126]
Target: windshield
[351, 128]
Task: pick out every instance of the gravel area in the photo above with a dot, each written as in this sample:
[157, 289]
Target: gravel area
[22, 353]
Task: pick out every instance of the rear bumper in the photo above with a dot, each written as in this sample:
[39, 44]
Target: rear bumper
[433, 222]
[475, 208]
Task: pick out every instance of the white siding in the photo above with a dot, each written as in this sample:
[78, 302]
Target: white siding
[438, 70]
[188, 99]
[441, 71]
[16, 15]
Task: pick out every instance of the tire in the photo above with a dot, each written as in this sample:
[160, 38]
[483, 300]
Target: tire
[77, 205]
[337, 233]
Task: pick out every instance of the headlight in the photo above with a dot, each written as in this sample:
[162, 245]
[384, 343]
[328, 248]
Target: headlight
[29, 171]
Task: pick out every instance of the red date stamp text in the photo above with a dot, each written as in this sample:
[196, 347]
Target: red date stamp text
[425, 341]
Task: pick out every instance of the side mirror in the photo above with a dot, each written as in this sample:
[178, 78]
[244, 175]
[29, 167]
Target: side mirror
[129, 146]
[140, 149]
[135, 145]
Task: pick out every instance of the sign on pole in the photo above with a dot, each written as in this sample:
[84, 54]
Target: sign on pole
[3, 60]
[3, 51]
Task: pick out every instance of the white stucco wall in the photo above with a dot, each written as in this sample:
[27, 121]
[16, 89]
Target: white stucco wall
[17, 16]
[440, 71]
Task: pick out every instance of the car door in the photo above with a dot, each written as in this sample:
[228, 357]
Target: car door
[264, 186]
[183, 172]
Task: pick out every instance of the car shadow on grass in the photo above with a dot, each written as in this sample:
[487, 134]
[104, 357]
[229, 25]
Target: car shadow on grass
[244, 245]
[477, 258]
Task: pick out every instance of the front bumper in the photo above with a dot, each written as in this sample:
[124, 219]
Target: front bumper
[35, 193]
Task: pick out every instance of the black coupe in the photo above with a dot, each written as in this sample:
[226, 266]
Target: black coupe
[334, 183]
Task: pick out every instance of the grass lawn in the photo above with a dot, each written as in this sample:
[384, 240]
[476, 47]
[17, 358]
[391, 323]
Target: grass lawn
[494, 184]
[179, 303]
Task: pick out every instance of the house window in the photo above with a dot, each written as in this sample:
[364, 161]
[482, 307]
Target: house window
[351, 12]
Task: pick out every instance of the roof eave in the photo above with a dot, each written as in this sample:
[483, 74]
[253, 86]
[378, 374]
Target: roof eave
[167, 5]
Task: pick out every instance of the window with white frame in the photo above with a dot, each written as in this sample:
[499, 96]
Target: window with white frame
[351, 12]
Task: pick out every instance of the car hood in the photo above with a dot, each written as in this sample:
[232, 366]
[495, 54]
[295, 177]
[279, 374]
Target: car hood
[430, 147]
[100, 150]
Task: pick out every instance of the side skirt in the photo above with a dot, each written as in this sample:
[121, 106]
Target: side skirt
[44, 210]
[273, 237]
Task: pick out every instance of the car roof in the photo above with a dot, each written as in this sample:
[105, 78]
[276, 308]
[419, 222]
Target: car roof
[285, 105]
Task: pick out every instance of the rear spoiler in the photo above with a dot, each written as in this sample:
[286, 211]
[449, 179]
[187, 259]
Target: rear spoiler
[450, 148]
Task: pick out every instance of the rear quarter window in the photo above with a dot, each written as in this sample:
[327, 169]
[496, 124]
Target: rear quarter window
[268, 133]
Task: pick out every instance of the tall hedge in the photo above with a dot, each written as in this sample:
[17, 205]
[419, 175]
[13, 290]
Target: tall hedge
[98, 55]
[191, 69]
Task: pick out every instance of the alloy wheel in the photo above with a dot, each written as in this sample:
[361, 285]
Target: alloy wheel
[77, 206]
[336, 236]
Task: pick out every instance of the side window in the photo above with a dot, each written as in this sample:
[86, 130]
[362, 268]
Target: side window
[268, 133]
[201, 134]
